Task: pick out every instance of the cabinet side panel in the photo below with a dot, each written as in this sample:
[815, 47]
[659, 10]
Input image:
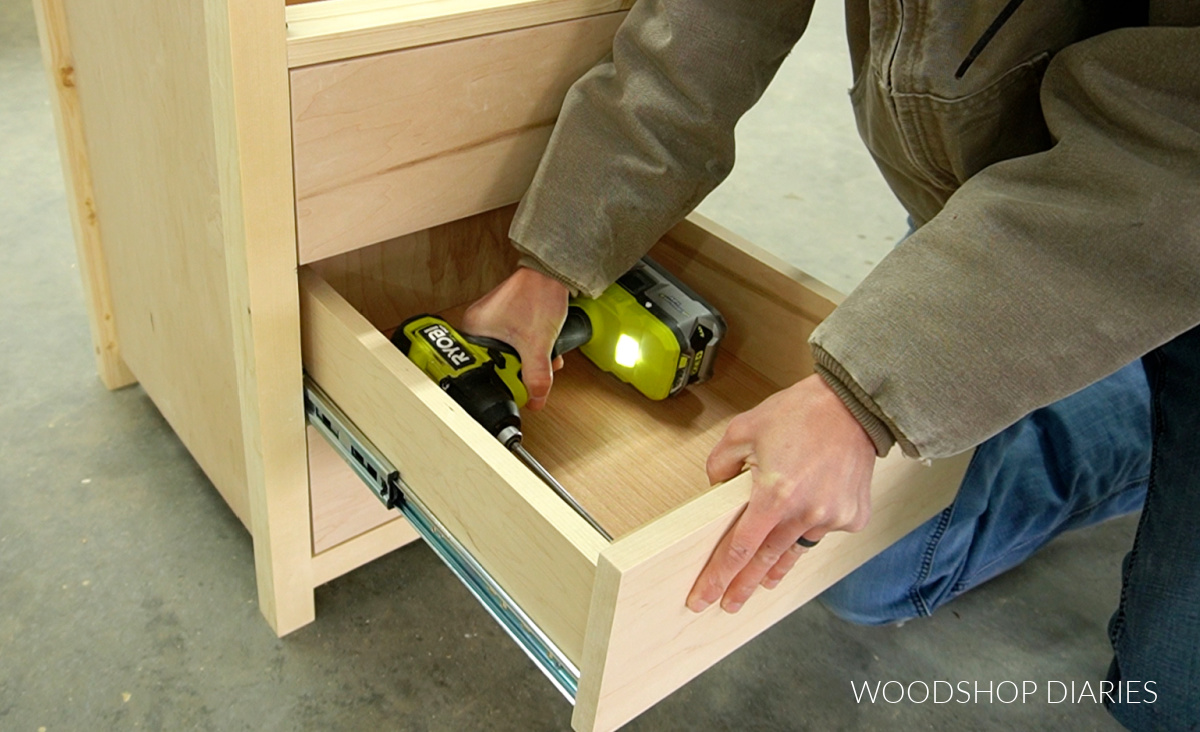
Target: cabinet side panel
[141, 70]
[643, 643]
[72, 148]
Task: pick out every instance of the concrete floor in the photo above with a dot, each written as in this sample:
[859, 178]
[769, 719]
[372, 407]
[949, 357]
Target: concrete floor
[127, 595]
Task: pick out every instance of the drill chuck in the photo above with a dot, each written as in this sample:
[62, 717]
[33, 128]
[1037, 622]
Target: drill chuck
[486, 398]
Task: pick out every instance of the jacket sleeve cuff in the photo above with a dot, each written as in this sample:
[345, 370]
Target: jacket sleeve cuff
[878, 426]
[531, 262]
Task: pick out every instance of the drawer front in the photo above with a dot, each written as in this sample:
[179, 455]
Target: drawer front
[395, 143]
[643, 643]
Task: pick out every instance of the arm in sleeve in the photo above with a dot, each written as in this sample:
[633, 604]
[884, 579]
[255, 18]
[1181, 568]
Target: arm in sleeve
[1043, 273]
[647, 133]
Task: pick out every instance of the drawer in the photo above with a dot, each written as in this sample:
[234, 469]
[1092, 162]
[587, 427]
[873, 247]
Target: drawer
[614, 610]
[397, 142]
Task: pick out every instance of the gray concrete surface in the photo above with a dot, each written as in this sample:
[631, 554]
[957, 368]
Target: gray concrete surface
[127, 594]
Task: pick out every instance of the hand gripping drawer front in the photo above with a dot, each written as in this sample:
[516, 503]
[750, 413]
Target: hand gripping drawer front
[615, 609]
[398, 142]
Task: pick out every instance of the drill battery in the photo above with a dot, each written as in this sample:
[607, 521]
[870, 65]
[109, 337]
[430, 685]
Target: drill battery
[652, 331]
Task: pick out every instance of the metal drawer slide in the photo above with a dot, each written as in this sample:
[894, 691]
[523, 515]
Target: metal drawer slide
[385, 482]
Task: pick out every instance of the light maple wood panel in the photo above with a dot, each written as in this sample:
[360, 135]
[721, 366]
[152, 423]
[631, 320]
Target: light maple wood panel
[340, 29]
[771, 307]
[626, 458]
[250, 100]
[400, 142]
[428, 271]
[184, 110]
[535, 546]
[343, 507]
[382, 539]
[154, 171]
[72, 146]
[643, 643]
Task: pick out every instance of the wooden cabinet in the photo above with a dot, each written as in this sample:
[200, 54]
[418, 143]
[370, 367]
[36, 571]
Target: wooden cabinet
[261, 189]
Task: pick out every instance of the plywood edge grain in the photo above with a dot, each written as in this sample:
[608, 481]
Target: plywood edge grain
[319, 32]
[536, 547]
[643, 643]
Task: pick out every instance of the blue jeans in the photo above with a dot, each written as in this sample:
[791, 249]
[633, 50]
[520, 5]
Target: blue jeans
[1080, 461]
[1074, 463]
[1155, 631]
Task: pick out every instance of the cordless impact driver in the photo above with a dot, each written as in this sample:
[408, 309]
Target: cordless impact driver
[648, 329]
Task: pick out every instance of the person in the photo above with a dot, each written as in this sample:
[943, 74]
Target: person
[1045, 308]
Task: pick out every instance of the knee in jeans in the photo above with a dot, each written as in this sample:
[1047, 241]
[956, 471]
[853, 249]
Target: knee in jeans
[867, 605]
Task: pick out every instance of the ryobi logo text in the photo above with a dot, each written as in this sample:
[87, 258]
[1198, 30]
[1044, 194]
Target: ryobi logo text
[455, 353]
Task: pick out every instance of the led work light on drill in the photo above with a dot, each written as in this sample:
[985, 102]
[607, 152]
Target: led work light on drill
[648, 329]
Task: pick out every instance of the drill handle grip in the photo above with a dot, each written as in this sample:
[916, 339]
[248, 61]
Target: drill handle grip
[576, 331]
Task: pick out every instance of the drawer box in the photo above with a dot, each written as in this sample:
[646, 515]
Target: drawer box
[614, 610]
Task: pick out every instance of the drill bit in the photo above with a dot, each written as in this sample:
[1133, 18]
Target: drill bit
[519, 450]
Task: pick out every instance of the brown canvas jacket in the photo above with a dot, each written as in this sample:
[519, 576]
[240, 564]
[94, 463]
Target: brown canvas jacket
[1051, 159]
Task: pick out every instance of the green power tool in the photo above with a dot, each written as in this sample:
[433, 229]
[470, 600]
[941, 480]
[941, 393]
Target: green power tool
[648, 329]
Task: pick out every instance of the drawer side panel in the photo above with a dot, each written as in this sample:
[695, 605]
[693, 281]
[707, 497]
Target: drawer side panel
[532, 543]
[771, 307]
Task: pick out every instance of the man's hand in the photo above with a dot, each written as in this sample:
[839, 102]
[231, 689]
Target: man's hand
[526, 311]
[811, 463]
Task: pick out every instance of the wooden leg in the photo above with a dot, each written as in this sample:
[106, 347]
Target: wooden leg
[72, 146]
[247, 58]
